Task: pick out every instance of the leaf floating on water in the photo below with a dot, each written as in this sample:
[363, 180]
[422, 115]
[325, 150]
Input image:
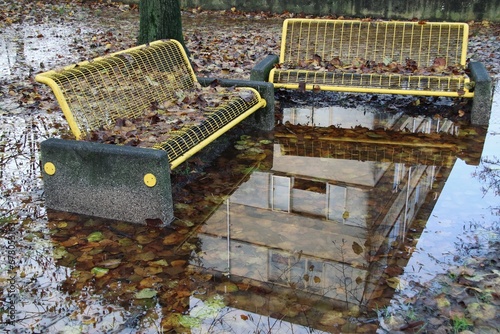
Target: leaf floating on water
[357, 248]
[99, 272]
[396, 283]
[226, 287]
[59, 253]
[150, 281]
[173, 239]
[146, 256]
[159, 263]
[145, 293]
[189, 321]
[144, 239]
[111, 263]
[95, 236]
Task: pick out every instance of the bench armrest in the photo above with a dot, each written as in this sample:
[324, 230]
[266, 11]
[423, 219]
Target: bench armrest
[264, 118]
[260, 71]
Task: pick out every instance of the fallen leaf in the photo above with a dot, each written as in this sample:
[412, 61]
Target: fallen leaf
[99, 272]
[145, 294]
[357, 248]
[95, 236]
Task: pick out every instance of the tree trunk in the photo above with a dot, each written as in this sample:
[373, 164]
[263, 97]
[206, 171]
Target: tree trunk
[160, 19]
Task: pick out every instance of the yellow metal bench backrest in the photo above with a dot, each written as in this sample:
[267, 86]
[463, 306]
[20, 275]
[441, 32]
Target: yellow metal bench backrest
[123, 84]
[379, 41]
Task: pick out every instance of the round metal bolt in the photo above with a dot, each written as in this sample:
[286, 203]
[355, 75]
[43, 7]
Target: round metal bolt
[49, 168]
[150, 180]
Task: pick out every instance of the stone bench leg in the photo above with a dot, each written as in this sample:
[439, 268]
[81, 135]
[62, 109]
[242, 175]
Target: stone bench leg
[109, 181]
[483, 94]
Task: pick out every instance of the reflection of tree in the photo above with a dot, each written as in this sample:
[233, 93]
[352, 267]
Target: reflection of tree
[489, 173]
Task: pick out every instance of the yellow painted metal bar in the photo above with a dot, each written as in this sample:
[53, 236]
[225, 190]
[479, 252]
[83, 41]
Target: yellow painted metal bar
[284, 41]
[42, 78]
[372, 90]
[218, 133]
[465, 40]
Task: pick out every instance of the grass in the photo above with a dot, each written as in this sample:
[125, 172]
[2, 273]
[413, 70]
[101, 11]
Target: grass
[460, 324]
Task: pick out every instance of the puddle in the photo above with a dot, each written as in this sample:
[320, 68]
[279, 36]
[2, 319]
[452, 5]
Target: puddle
[335, 230]
[289, 232]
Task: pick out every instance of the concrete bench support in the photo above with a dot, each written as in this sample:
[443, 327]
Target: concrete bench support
[483, 94]
[109, 181]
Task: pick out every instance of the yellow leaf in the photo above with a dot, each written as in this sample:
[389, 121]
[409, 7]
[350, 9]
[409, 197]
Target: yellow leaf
[396, 283]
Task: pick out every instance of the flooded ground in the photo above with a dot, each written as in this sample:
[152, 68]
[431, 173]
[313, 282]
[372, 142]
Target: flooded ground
[386, 221]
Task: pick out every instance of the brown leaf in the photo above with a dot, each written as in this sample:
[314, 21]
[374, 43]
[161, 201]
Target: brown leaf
[110, 263]
[149, 282]
[173, 239]
[316, 60]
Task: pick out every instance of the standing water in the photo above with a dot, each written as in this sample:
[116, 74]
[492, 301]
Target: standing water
[340, 220]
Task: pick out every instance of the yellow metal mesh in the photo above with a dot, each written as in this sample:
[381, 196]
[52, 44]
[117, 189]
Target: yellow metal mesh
[121, 85]
[189, 137]
[377, 41]
[127, 83]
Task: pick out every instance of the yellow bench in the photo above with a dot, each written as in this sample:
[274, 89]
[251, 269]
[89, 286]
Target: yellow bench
[103, 180]
[381, 57]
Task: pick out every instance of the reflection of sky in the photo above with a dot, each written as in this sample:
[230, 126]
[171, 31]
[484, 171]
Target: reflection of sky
[31, 46]
[460, 203]
[339, 116]
[366, 117]
[7, 57]
[229, 321]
